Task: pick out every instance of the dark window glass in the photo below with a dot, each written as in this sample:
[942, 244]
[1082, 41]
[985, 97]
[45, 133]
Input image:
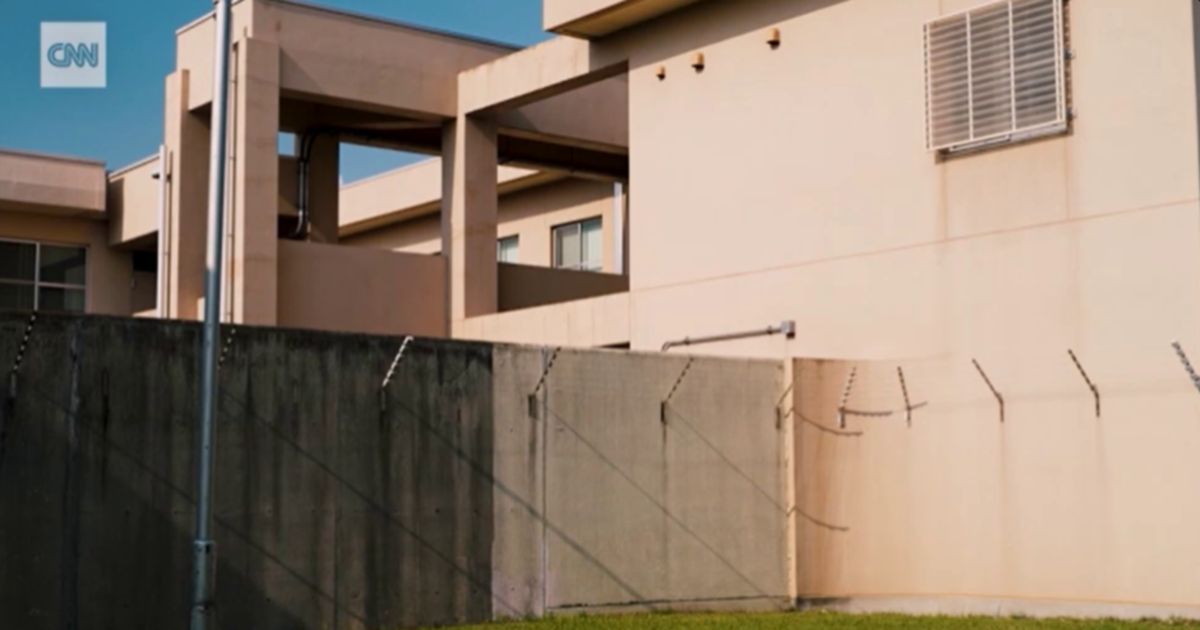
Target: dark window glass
[17, 261]
[16, 296]
[62, 265]
[63, 300]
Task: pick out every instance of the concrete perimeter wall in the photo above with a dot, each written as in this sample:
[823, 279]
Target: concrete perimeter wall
[626, 482]
[1053, 511]
[645, 506]
[446, 498]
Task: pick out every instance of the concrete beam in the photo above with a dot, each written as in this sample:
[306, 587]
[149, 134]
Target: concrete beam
[537, 73]
[595, 116]
[343, 57]
[194, 50]
[597, 18]
[564, 159]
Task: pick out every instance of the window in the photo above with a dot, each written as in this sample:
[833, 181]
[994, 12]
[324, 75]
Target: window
[995, 74]
[579, 245]
[41, 277]
[507, 249]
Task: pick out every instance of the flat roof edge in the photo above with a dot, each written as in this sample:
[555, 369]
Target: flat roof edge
[153, 157]
[576, 27]
[52, 156]
[194, 23]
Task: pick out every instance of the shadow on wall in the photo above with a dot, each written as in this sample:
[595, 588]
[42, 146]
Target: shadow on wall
[959, 508]
[669, 470]
[330, 512]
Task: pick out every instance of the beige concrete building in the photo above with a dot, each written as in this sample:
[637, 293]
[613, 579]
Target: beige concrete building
[916, 184]
[713, 167]
[55, 238]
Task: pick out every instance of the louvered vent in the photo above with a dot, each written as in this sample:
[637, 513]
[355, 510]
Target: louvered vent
[995, 73]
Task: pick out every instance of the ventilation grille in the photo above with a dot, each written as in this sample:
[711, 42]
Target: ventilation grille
[994, 73]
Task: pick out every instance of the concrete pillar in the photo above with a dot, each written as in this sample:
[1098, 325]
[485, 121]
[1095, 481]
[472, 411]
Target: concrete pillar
[253, 221]
[108, 275]
[469, 209]
[323, 170]
[186, 136]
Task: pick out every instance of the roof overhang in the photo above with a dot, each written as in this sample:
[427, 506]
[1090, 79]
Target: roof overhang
[47, 184]
[597, 18]
[337, 57]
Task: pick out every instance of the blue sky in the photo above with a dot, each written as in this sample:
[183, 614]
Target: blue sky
[123, 123]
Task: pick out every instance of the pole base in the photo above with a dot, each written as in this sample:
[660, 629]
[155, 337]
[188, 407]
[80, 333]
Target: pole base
[204, 574]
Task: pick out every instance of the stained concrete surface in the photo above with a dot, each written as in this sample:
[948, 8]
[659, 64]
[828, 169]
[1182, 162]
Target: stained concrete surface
[334, 507]
[446, 498]
[665, 473]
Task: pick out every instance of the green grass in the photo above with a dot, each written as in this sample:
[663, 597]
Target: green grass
[821, 621]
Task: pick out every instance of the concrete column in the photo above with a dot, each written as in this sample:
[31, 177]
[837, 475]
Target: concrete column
[108, 274]
[254, 213]
[323, 185]
[469, 209]
[186, 136]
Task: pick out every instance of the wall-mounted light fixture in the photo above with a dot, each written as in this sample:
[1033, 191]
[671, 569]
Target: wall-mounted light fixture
[774, 38]
[661, 73]
[698, 62]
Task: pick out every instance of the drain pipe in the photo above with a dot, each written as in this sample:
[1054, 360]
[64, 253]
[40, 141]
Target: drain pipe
[302, 211]
[163, 175]
[303, 161]
[787, 328]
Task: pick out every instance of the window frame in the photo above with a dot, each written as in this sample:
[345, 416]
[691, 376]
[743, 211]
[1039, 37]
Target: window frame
[37, 283]
[554, 244]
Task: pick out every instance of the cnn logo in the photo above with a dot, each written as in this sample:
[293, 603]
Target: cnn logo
[74, 55]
